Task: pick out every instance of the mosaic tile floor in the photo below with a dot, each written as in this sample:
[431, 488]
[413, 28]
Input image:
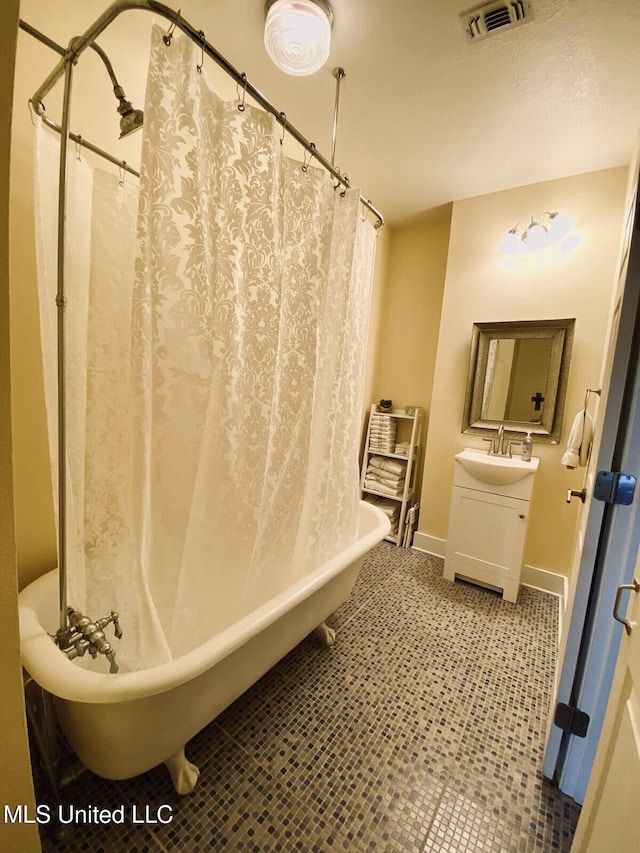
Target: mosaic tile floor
[421, 729]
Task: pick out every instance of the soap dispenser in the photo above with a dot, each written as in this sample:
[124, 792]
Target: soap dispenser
[527, 448]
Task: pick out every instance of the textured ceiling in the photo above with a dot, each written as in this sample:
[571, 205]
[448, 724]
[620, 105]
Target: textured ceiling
[425, 117]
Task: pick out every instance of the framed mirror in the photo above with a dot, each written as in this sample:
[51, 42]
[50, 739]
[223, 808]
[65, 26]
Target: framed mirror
[518, 377]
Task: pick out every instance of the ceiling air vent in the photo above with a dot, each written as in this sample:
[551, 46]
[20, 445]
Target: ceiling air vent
[491, 17]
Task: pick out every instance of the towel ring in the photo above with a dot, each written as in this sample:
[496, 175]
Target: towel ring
[597, 391]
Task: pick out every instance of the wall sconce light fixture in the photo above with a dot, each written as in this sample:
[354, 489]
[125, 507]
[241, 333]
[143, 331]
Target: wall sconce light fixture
[297, 34]
[537, 235]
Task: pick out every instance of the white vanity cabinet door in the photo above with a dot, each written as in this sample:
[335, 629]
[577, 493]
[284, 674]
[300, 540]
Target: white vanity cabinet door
[486, 538]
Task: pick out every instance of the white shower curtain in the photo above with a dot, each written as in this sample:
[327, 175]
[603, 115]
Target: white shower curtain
[213, 455]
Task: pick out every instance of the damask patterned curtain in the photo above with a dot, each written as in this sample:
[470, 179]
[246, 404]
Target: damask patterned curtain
[245, 325]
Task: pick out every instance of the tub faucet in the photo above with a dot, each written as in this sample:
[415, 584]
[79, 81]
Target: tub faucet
[83, 635]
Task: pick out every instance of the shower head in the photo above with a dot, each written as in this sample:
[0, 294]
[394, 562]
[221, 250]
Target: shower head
[130, 119]
[130, 122]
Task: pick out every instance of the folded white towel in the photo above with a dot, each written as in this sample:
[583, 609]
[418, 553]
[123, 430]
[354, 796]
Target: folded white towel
[377, 475]
[377, 486]
[390, 512]
[391, 484]
[391, 481]
[579, 443]
[381, 447]
[389, 465]
[388, 507]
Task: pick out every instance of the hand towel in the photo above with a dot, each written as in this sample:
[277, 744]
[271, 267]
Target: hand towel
[579, 444]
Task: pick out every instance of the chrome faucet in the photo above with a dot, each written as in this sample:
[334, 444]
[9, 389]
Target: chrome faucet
[498, 446]
[83, 635]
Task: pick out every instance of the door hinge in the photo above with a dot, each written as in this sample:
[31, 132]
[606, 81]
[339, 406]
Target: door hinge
[571, 720]
[614, 488]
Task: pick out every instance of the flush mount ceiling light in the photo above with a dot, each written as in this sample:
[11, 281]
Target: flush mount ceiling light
[537, 235]
[297, 34]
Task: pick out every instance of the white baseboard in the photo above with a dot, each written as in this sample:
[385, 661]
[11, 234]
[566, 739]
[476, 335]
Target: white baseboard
[429, 544]
[531, 576]
[545, 580]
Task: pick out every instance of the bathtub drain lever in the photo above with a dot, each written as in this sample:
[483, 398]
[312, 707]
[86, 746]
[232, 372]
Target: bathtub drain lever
[83, 635]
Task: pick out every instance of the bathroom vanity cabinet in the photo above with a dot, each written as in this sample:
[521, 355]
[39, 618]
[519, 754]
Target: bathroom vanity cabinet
[488, 520]
[406, 429]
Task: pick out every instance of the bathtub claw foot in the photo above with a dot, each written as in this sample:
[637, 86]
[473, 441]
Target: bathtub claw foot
[326, 634]
[184, 774]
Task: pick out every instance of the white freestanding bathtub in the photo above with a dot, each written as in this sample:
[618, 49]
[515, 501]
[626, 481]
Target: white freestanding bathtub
[124, 724]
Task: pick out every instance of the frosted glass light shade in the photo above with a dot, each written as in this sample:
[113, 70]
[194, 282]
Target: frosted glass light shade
[535, 237]
[549, 229]
[297, 35]
[559, 225]
[511, 244]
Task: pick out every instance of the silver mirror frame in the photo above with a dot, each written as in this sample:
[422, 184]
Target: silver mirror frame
[561, 334]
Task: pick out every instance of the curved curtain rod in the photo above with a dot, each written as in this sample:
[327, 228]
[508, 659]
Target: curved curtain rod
[74, 137]
[80, 43]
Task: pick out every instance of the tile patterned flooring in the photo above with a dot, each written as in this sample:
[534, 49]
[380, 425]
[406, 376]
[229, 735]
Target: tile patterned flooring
[421, 729]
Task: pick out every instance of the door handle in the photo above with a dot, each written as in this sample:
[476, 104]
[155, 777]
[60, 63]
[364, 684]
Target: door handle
[574, 493]
[635, 587]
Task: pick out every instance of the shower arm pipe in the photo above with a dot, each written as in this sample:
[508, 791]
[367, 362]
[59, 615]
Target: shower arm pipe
[80, 43]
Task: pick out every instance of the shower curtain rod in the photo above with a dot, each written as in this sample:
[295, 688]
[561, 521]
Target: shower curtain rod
[80, 140]
[80, 43]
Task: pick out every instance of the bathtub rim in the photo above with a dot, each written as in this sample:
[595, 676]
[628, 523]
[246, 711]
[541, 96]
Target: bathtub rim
[58, 675]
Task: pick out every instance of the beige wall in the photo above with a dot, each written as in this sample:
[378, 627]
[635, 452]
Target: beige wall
[15, 779]
[414, 270]
[411, 305]
[479, 287]
[376, 322]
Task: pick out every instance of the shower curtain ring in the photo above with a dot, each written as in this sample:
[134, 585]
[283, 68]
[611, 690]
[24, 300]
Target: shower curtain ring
[166, 38]
[244, 92]
[202, 42]
[305, 162]
[123, 172]
[283, 116]
[78, 147]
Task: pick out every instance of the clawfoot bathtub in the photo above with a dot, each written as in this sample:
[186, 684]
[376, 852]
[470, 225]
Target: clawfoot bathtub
[125, 724]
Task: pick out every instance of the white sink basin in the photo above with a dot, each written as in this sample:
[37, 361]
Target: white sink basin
[497, 470]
